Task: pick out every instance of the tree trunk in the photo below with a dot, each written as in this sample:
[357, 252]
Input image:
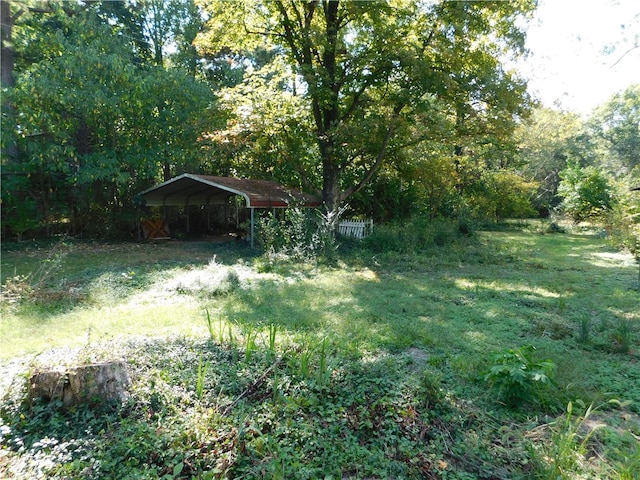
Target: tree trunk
[87, 384]
[10, 151]
[331, 195]
[7, 46]
[329, 113]
[319, 63]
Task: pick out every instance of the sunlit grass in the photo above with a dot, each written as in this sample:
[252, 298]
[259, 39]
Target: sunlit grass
[32, 332]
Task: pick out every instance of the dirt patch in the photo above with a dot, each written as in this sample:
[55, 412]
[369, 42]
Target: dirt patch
[418, 354]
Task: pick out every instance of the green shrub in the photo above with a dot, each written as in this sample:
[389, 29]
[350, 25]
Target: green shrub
[302, 235]
[416, 235]
[517, 377]
[585, 192]
[501, 194]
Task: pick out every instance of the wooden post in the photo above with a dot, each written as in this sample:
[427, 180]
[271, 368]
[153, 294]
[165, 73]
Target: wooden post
[253, 230]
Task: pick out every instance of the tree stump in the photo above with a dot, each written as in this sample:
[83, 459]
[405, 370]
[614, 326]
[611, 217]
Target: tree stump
[91, 384]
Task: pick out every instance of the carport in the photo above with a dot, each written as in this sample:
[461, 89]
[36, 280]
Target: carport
[190, 189]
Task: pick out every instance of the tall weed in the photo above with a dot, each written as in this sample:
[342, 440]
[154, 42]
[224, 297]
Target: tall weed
[563, 455]
[623, 335]
[302, 235]
[250, 346]
[416, 235]
[200, 379]
[33, 285]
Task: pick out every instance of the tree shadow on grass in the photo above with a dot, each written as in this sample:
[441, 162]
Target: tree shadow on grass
[460, 303]
[380, 324]
[465, 306]
[375, 417]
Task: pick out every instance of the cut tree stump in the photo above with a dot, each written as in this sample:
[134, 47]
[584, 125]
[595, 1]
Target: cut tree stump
[91, 384]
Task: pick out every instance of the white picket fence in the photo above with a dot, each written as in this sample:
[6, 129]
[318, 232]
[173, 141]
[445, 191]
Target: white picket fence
[355, 228]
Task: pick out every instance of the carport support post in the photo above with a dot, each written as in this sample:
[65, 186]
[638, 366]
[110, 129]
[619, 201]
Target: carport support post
[253, 227]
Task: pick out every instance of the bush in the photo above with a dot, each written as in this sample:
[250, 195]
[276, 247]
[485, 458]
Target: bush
[623, 220]
[502, 194]
[517, 377]
[416, 235]
[302, 235]
[586, 192]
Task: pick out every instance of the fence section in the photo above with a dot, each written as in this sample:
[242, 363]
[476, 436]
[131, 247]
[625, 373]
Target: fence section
[355, 228]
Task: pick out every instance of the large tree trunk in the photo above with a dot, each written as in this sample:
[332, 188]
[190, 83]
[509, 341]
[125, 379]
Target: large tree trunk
[7, 45]
[319, 62]
[328, 110]
[10, 150]
[331, 193]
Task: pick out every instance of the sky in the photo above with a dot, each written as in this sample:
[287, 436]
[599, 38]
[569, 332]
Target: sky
[569, 67]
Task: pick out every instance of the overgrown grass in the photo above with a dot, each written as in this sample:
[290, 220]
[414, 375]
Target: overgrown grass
[371, 369]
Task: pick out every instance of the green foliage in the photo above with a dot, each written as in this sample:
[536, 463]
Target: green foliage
[302, 235]
[349, 418]
[369, 370]
[623, 220]
[518, 378]
[553, 143]
[95, 127]
[371, 77]
[37, 284]
[584, 330]
[418, 234]
[500, 195]
[564, 455]
[210, 326]
[200, 380]
[623, 335]
[268, 130]
[616, 123]
[547, 139]
[19, 215]
[585, 192]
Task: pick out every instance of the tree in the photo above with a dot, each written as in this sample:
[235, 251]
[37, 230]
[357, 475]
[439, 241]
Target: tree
[9, 15]
[267, 130]
[617, 123]
[94, 128]
[546, 141]
[373, 70]
[585, 192]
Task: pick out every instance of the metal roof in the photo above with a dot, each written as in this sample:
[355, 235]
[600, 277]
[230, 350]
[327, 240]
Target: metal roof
[190, 189]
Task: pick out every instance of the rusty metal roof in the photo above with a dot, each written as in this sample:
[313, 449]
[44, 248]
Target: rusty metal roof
[190, 189]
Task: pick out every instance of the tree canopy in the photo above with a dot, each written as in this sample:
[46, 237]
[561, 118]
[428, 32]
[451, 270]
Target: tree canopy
[377, 76]
[392, 108]
[93, 123]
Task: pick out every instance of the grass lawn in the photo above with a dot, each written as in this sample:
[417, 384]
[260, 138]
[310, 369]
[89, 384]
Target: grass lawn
[375, 368]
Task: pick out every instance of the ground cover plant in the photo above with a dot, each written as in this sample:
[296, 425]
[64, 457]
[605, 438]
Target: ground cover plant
[379, 366]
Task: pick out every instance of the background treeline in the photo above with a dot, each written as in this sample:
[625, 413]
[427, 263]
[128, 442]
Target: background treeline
[390, 108]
